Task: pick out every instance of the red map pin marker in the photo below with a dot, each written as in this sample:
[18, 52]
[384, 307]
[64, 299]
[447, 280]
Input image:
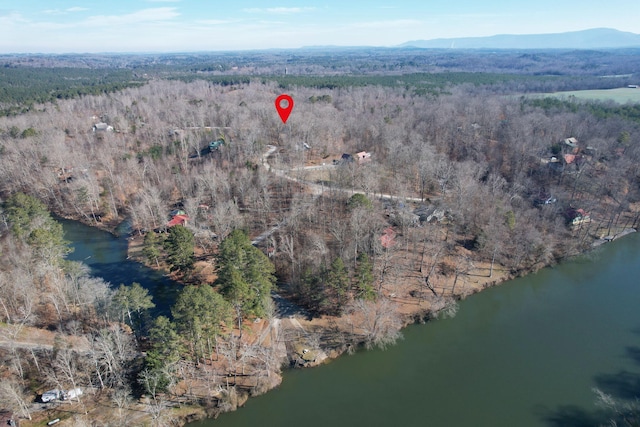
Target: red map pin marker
[284, 110]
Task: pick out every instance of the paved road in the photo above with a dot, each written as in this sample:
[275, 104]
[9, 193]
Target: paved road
[318, 189]
[315, 188]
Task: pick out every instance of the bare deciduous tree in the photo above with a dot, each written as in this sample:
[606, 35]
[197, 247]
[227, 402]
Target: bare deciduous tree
[378, 322]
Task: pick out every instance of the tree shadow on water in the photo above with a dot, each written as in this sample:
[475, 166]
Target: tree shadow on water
[615, 401]
[634, 354]
[570, 415]
[621, 385]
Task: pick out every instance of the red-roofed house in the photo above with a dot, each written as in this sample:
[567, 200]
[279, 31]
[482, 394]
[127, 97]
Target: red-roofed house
[577, 216]
[363, 156]
[178, 220]
[388, 238]
[569, 158]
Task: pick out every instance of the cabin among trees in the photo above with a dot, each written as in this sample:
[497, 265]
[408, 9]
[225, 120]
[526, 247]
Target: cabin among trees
[102, 127]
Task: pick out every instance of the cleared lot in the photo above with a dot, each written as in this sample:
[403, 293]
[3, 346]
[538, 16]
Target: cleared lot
[620, 95]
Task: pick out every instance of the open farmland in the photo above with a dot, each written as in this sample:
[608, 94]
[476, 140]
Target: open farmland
[620, 95]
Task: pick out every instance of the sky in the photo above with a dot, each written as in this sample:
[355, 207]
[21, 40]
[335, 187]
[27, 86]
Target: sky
[83, 26]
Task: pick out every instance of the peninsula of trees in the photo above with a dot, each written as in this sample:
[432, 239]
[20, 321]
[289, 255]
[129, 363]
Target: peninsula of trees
[399, 184]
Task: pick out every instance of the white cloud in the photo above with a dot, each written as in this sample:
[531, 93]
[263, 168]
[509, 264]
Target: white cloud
[53, 12]
[216, 21]
[144, 15]
[279, 10]
[12, 18]
[65, 11]
[103, 23]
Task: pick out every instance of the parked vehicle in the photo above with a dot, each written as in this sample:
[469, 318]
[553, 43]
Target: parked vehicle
[72, 394]
[50, 395]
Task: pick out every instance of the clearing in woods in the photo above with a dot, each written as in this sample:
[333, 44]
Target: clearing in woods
[620, 95]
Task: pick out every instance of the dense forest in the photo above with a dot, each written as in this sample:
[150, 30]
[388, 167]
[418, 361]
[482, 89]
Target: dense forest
[32, 79]
[23, 87]
[380, 201]
[352, 61]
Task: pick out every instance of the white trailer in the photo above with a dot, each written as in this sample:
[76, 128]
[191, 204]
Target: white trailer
[73, 393]
[50, 395]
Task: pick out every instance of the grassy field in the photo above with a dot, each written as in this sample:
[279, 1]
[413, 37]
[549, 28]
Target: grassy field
[621, 95]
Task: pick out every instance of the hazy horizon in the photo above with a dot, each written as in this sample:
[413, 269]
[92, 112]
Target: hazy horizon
[159, 26]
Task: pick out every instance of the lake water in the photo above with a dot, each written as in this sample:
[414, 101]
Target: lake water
[106, 255]
[526, 353]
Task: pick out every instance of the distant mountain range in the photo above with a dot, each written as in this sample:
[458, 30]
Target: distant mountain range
[597, 38]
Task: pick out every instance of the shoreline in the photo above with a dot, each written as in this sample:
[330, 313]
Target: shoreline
[611, 238]
[418, 316]
[412, 310]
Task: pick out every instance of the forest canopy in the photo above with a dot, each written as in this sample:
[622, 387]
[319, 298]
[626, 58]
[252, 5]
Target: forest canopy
[22, 87]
